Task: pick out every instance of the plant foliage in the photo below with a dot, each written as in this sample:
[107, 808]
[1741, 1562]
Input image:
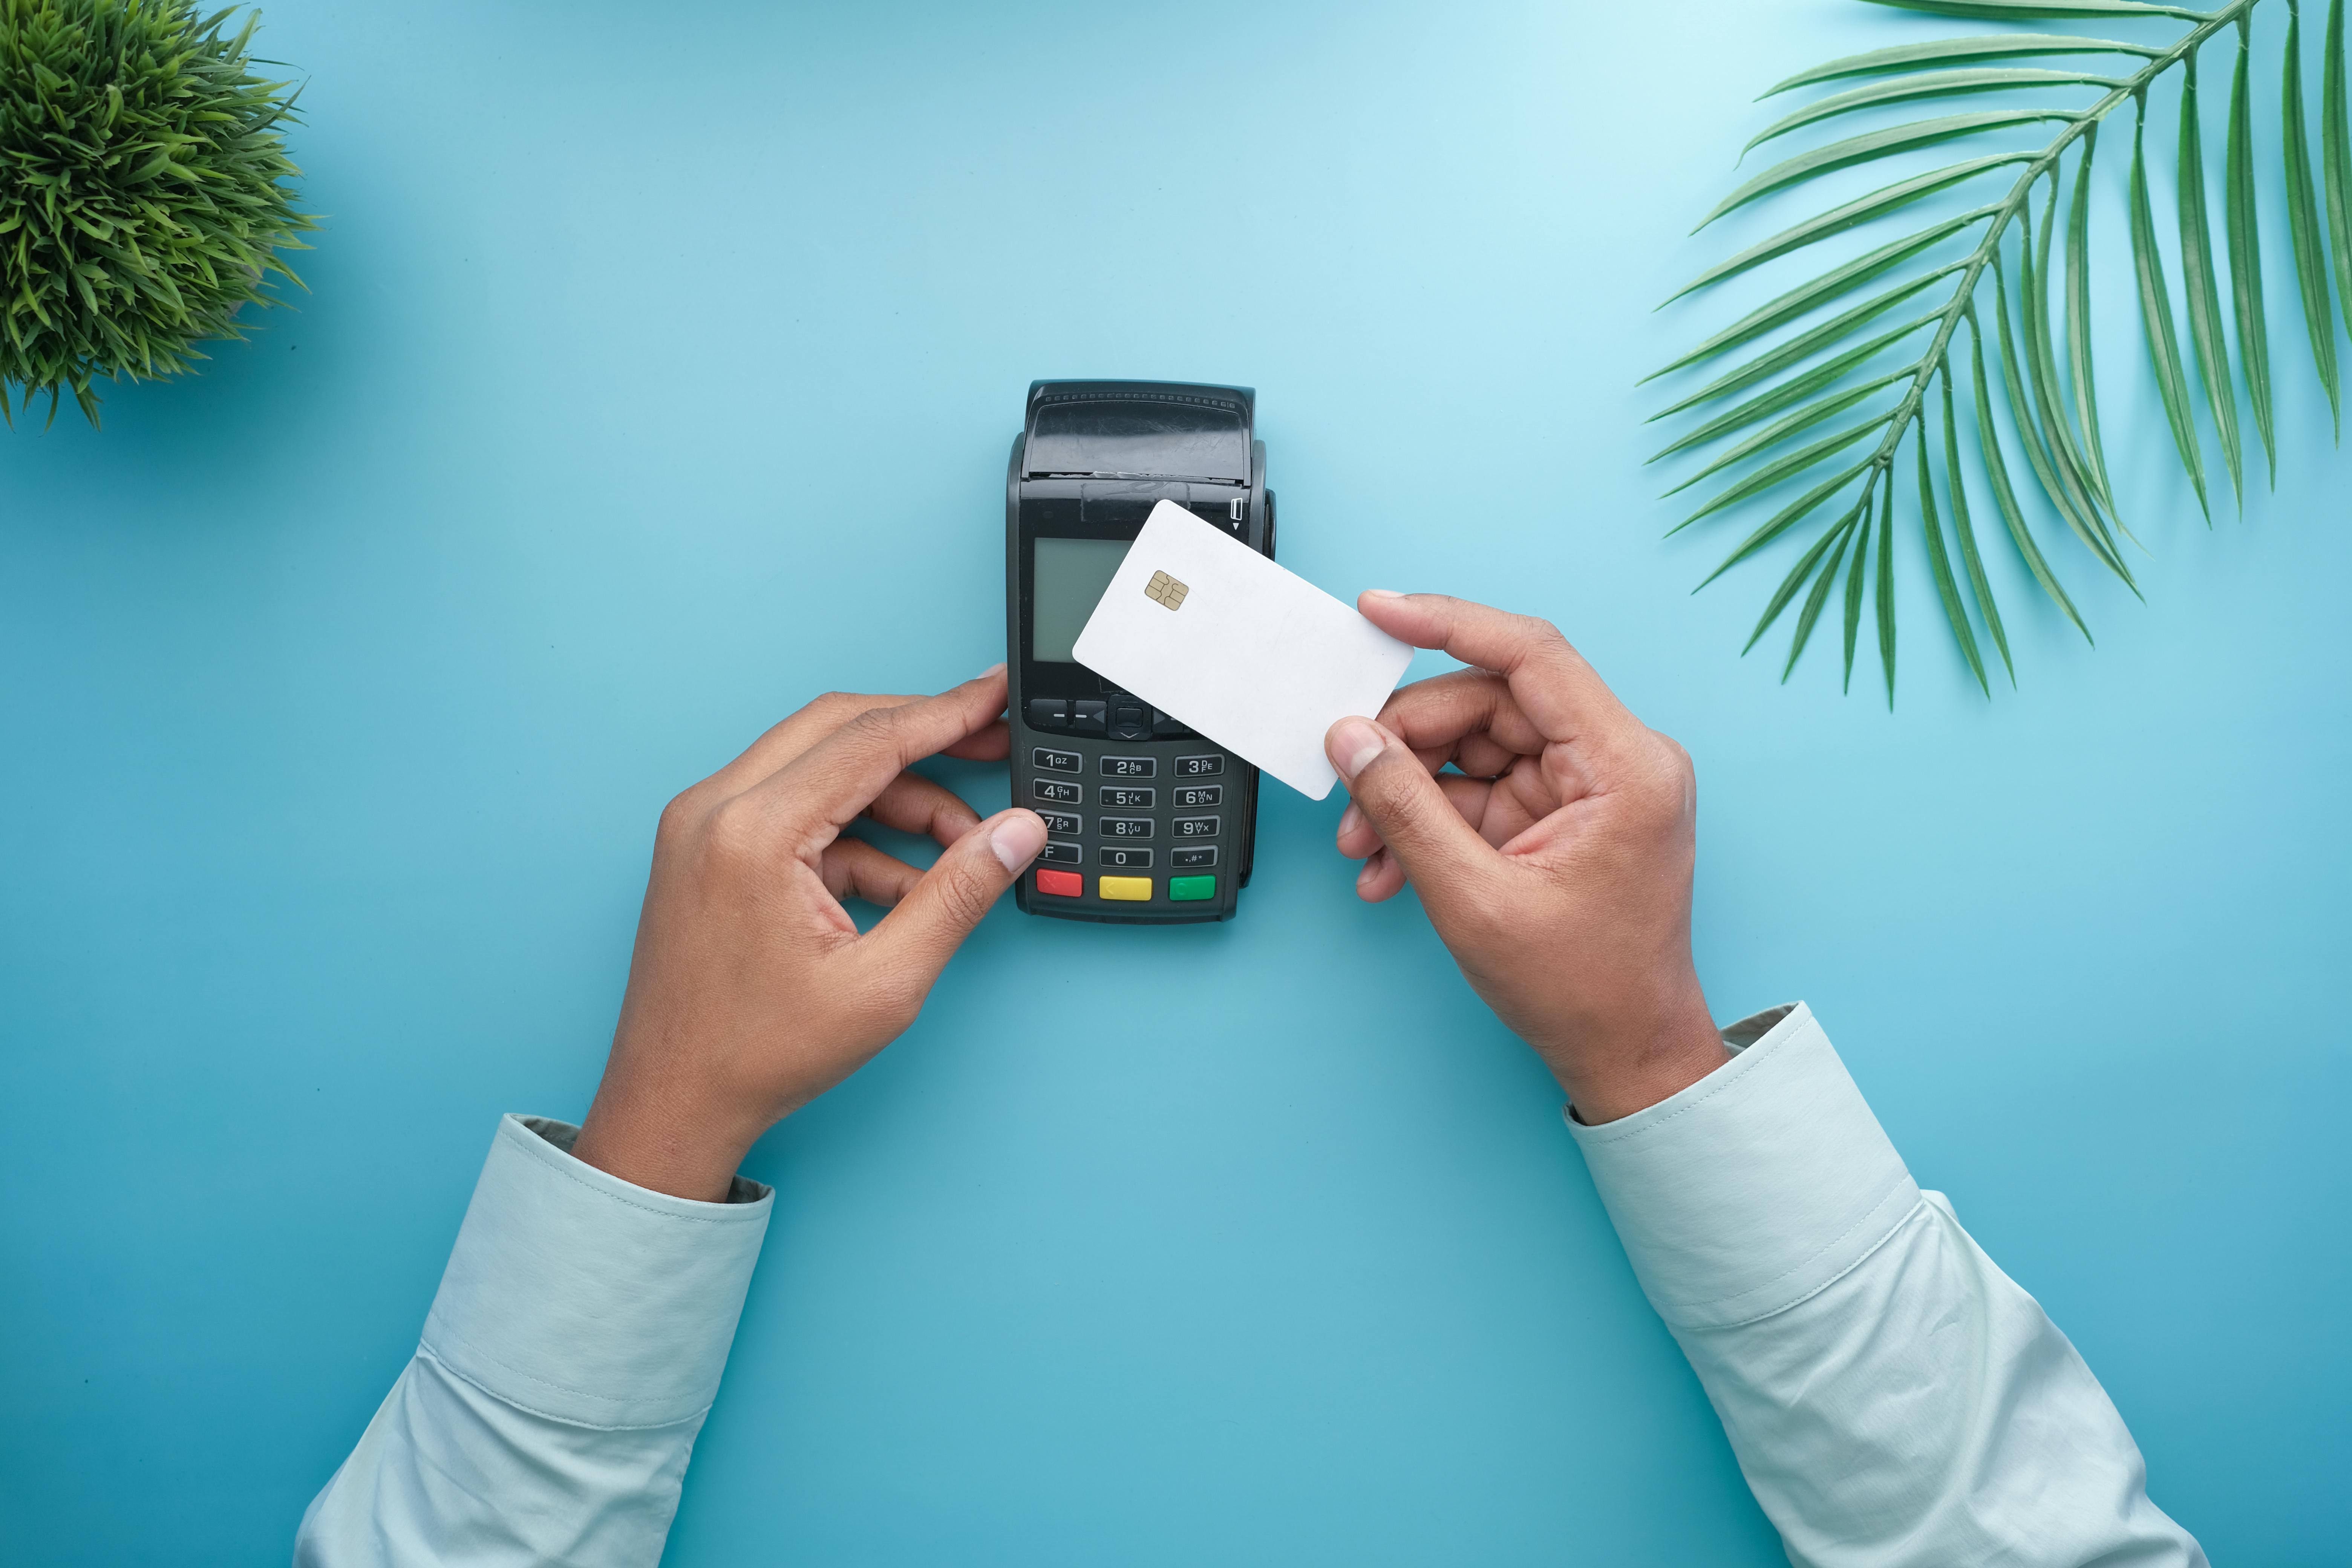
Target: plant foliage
[1990, 307]
[141, 190]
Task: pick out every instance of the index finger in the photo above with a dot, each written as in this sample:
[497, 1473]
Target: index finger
[815, 719]
[793, 734]
[816, 794]
[1561, 694]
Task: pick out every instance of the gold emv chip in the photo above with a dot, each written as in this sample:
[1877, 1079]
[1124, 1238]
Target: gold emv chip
[1165, 589]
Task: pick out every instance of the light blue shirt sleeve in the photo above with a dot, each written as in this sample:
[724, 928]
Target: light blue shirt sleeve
[567, 1364]
[1891, 1396]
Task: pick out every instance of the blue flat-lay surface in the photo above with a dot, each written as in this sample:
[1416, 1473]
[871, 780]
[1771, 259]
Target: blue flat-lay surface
[657, 374]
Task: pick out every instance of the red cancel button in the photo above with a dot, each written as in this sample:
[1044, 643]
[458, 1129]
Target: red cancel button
[1062, 884]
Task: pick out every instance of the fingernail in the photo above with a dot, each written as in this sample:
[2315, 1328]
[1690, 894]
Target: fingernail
[1350, 819]
[1017, 839]
[1382, 594]
[996, 668]
[1354, 742]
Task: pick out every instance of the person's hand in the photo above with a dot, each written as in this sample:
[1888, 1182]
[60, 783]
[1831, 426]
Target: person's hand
[1555, 865]
[750, 993]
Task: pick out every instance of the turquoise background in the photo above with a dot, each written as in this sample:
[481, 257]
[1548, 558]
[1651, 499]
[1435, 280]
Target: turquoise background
[657, 374]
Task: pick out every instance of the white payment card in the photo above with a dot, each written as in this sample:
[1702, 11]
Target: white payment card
[1257, 658]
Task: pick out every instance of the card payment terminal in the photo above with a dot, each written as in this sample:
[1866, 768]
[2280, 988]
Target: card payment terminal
[1147, 823]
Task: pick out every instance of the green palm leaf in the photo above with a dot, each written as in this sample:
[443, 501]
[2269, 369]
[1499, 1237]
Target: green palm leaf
[2336, 165]
[1947, 587]
[2079, 367]
[2303, 217]
[2156, 315]
[1854, 588]
[1952, 51]
[1843, 534]
[1926, 84]
[1816, 355]
[2246, 248]
[1966, 529]
[1871, 146]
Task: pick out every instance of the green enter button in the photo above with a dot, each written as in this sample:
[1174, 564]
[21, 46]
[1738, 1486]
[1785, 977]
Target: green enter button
[1183, 888]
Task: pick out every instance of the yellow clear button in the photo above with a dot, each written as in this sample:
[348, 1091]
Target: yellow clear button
[1135, 889]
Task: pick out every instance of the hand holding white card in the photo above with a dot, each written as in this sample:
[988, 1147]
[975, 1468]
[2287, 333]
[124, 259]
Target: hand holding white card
[1255, 657]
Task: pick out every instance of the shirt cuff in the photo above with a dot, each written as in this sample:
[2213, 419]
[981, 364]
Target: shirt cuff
[578, 1296]
[1756, 1187]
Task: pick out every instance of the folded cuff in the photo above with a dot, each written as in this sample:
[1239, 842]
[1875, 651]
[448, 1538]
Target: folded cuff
[576, 1295]
[1756, 1187]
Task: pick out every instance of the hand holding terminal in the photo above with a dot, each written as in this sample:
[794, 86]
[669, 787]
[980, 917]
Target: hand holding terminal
[750, 991]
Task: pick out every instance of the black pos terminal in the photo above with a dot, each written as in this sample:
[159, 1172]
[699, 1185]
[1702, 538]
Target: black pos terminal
[1147, 823]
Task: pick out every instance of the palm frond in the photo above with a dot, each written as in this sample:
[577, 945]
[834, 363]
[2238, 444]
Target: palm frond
[2010, 260]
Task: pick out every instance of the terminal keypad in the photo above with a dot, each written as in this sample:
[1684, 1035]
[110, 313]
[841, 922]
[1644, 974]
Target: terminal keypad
[1111, 856]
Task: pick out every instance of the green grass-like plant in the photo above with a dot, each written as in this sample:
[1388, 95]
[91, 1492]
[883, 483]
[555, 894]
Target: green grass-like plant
[142, 195]
[1993, 269]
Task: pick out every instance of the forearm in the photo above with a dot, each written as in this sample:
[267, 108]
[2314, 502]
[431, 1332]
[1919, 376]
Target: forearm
[565, 1369]
[1923, 1409]
[1891, 1396]
[451, 1475]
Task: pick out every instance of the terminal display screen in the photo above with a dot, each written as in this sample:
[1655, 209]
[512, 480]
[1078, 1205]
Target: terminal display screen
[1067, 578]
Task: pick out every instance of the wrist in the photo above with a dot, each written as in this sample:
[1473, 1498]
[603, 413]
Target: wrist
[1609, 1075]
[662, 1148]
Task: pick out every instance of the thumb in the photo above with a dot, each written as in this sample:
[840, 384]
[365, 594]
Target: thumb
[1441, 853]
[931, 921]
